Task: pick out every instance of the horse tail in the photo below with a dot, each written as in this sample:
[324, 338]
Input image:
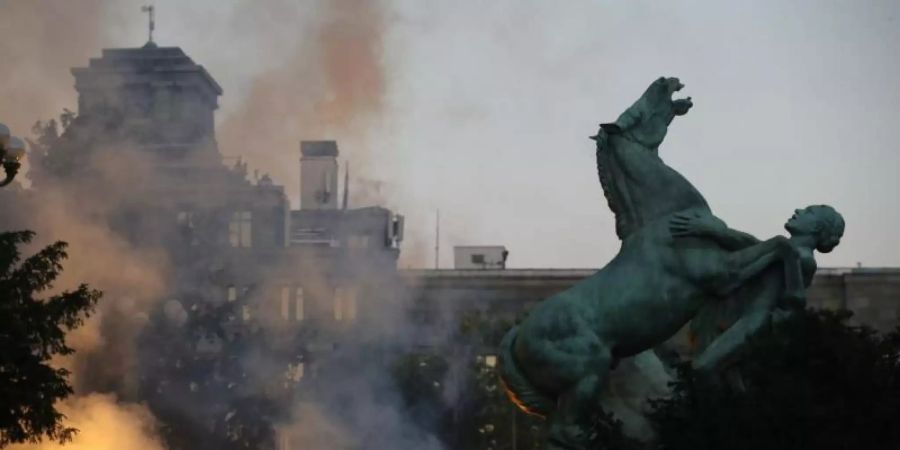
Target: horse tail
[517, 386]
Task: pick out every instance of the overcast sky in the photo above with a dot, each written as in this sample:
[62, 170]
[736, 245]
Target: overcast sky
[487, 106]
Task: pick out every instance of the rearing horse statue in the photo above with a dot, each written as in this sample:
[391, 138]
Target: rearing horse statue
[675, 258]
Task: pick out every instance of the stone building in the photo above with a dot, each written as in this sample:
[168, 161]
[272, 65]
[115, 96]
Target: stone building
[305, 280]
[441, 296]
[158, 90]
[164, 105]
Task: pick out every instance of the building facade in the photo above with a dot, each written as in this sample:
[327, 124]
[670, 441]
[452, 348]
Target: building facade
[272, 293]
[442, 296]
[163, 105]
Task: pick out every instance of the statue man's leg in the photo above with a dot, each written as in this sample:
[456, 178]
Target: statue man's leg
[762, 295]
[727, 345]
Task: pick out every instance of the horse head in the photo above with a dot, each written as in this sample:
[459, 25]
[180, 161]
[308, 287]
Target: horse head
[647, 120]
[638, 185]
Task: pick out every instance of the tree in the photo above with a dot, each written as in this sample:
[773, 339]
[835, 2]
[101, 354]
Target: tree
[488, 420]
[419, 378]
[478, 414]
[32, 332]
[204, 397]
[47, 157]
[813, 381]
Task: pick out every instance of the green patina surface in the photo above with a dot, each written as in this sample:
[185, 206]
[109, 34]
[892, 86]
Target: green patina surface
[677, 262]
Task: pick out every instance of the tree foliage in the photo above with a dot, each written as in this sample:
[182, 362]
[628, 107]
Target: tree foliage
[488, 420]
[813, 381]
[195, 380]
[32, 332]
[49, 157]
[454, 391]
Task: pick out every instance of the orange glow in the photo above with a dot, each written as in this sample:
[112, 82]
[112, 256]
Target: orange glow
[513, 398]
[104, 424]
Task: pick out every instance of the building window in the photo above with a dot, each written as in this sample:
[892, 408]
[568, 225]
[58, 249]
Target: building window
[163, 104]
[478, 258]
[344, 304]
[245, 313]
[185, 219]
[832, 304]
[295, 372]
[231, 294]
[239, 229]
[358, 241]
[299, 313]
[338, 304]
[285, 303]
[858, 303]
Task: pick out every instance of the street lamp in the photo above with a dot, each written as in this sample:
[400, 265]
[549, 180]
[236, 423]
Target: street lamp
[11, 150]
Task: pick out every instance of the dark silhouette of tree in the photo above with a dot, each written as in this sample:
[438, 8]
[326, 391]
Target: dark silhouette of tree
[195, 378]
[812, 382]
[51, 157]
[486, 418]
[419, 379]
[32, 332]
[477, 413]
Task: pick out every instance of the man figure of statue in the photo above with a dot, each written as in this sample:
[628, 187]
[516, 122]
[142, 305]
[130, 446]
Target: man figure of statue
[817, 227]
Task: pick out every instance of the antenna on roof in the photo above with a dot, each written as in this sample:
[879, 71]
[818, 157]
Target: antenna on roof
[346, 184]
[151, 13]
[437, 240]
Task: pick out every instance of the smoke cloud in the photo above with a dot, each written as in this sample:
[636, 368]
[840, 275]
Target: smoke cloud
[327, 81]
[324, 79]
[132, 279]
[104, 424]
[39, 42]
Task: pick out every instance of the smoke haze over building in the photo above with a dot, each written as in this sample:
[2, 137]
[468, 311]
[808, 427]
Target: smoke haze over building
[425, 95]
[479, 110]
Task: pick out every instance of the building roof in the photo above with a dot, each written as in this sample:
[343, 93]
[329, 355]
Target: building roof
[319, 148]
[131, 63]
[526, 277]
[583, 272]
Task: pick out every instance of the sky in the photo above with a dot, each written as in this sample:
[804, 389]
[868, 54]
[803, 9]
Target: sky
[482, 109]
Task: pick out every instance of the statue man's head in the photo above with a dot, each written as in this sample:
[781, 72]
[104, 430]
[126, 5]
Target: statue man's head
[819, 221]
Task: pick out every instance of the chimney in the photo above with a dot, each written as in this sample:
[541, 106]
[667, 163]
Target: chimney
[318, 175]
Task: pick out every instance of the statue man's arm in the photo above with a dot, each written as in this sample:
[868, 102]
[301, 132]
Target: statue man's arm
[749, 254]
[709, 226]
[732, 239]
[769, 298]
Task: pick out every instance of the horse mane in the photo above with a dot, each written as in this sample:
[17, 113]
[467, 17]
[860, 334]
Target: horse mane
[616, 198]
[639, 187]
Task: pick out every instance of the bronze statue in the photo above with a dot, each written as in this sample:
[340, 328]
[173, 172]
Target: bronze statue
[675, 258]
